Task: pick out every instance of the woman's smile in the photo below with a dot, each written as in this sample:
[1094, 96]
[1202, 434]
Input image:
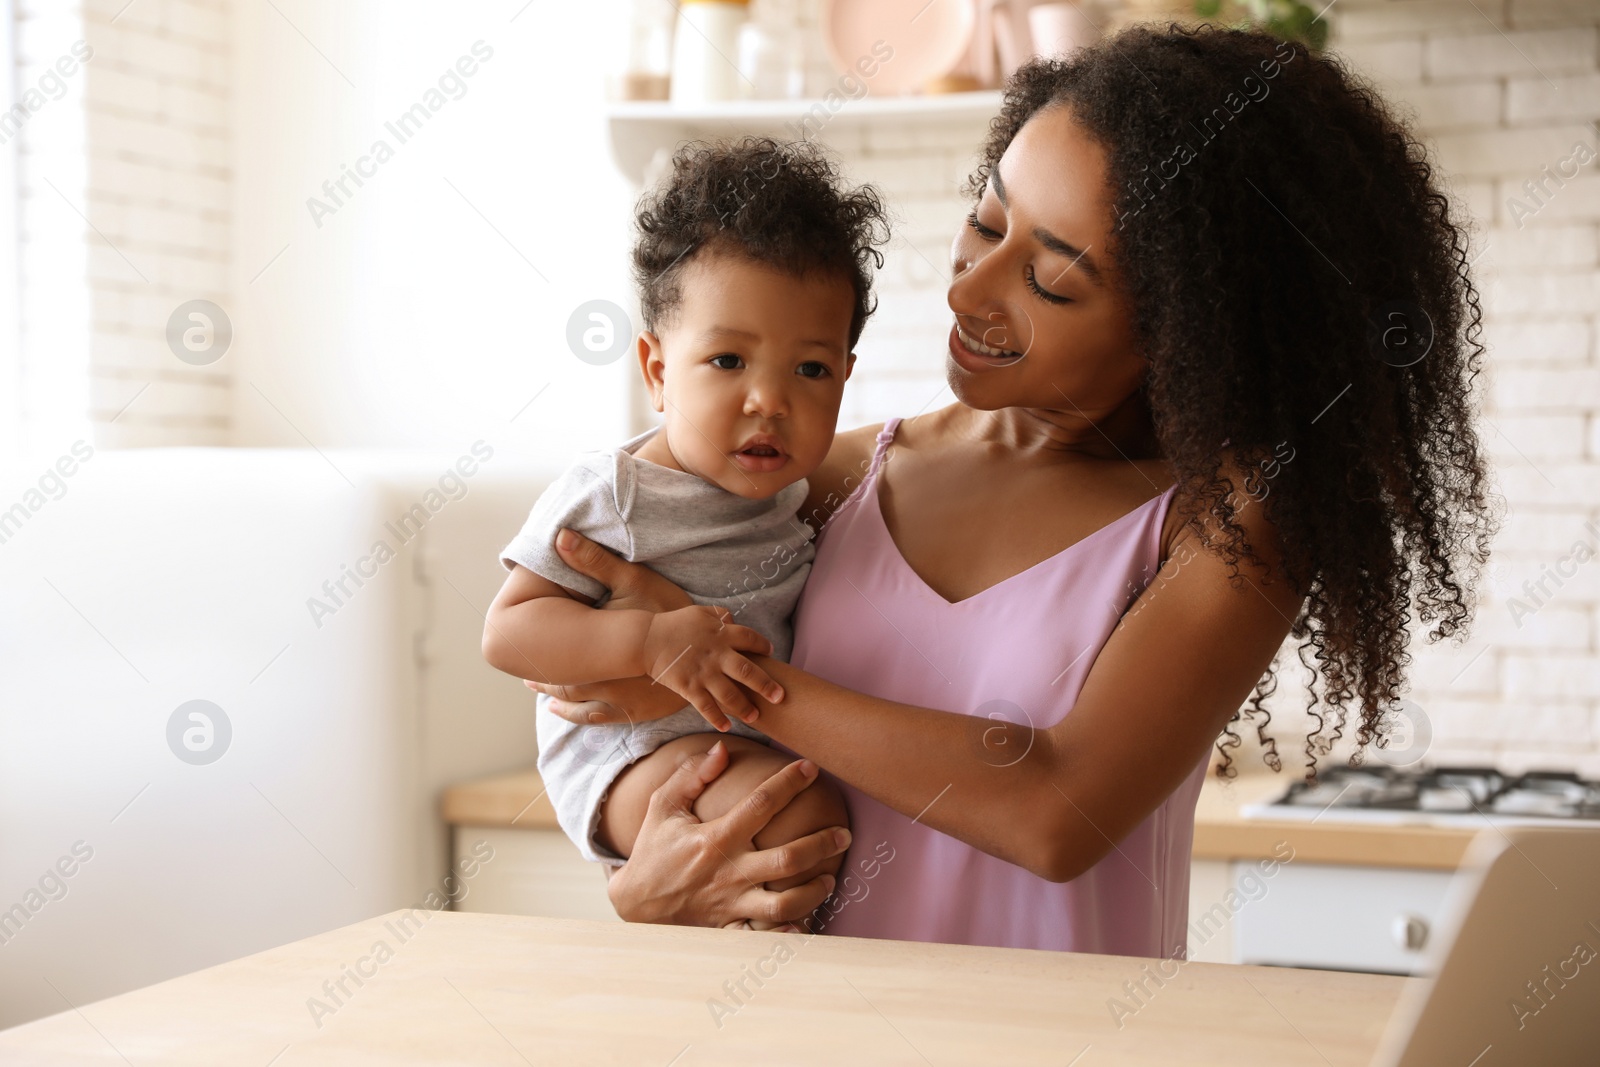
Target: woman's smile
[973, 355]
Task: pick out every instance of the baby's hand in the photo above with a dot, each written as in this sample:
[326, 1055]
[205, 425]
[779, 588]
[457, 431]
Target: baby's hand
[694, 652]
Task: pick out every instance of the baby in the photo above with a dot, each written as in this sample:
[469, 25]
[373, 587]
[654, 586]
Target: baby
[754, 271]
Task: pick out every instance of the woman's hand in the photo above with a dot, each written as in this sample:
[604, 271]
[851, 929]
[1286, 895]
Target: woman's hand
[621, 700]
[632, 585]
[692, 873]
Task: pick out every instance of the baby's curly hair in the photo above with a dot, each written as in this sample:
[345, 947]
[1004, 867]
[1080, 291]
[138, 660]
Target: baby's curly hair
[1288, 254]
[782, 205]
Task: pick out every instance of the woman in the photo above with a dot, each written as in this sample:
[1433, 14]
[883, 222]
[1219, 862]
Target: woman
[1214, 345]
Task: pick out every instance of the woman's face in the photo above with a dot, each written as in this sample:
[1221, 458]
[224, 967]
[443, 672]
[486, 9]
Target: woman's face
[1040, 319]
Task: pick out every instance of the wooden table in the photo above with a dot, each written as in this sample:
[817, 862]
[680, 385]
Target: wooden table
[489, 989]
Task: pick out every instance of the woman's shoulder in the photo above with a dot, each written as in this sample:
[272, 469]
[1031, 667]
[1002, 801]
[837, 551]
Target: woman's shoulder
[1186, 531]
[1149, 480]
[846, 464]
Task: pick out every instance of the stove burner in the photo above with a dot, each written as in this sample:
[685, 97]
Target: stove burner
[1476, 793]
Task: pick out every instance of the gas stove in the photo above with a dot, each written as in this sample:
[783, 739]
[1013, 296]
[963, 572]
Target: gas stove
[1464, 796]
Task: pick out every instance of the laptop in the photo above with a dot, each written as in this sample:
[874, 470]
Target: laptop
[1516, 976]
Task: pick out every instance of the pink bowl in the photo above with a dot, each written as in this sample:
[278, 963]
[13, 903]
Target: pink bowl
[928, 39]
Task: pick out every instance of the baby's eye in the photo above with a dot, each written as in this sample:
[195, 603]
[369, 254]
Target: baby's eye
[811, 369]
[727, 361]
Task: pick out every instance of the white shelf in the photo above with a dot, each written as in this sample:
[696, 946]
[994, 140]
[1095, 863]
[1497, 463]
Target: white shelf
[738, 112]
[639, 129]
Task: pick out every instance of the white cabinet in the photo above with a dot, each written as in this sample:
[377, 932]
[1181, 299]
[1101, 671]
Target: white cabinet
[1340, 916]
[1210, 927]
[1319, 892]
[1346, 917]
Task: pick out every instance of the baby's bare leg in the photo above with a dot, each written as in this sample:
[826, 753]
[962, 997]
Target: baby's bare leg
[750, 763]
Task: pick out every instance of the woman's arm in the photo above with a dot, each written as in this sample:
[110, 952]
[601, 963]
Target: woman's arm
[1171, 675]
[1168, 679]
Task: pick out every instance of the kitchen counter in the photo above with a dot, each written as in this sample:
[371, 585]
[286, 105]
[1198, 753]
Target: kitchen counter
[1220, 832]
[492, 989]
[515, 800]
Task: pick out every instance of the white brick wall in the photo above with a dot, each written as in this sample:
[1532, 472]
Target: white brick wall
[1501, 89]
[921, 169]
[1574, 97]
[152, 179]
[1488, 48]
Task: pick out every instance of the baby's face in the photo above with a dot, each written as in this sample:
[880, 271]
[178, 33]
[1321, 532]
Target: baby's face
[750, 371]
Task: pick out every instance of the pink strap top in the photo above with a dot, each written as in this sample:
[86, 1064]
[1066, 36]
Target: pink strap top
[1019, 650]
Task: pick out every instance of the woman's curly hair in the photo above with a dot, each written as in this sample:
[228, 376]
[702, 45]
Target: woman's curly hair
[783, 205]
[1298, 282]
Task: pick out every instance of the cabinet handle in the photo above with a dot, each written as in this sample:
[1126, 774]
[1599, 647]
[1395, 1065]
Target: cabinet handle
[1410, 932]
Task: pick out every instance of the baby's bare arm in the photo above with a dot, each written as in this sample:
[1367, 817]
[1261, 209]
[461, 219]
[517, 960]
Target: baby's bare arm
[537, 629]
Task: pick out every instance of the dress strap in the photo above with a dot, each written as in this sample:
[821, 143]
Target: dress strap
[869, 479]
[885, 438]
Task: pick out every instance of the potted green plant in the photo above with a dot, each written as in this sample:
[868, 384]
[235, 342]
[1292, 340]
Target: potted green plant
[1290, 20]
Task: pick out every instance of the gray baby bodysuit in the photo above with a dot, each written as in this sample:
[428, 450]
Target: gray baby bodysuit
[751, 557]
